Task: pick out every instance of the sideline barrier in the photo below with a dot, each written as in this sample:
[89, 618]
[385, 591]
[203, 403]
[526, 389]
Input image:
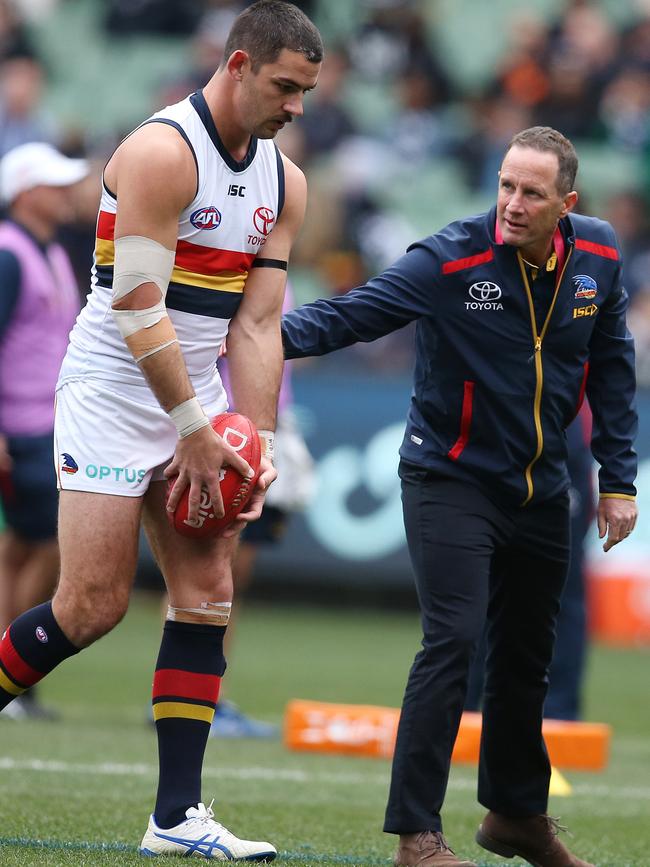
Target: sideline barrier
[368, 730]
[619, 605]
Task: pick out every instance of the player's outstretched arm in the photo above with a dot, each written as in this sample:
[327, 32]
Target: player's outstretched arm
[154, 177]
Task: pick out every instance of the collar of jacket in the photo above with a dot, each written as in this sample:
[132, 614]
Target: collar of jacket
[561, 237]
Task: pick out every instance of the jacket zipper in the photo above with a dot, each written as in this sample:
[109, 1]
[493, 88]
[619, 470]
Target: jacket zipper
[538, 338]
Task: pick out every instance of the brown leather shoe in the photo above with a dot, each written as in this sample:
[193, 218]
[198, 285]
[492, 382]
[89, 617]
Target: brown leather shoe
[535, 839]
[426, 849]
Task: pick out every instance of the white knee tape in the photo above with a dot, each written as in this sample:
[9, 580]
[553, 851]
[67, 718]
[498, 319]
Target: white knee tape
[210, 613]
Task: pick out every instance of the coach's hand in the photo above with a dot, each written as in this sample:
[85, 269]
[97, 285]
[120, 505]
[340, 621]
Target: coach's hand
[616, 519]
[268, 474]
[197, 462]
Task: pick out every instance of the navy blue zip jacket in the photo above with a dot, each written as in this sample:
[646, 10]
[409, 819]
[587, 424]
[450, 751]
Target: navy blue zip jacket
[503, 361]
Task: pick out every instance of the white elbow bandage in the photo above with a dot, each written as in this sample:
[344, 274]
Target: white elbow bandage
[141, 260]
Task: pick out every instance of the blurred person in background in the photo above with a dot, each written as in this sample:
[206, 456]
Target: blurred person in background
[326, 122]
[22, 116]
[206, 50]
[520, 313]
[624, 110]
[522, 72]
[198, 214]
[14, 38]
[421, 128]
[162, 17]
[566, 673]
[495, 119]
[39, 302]
[627, 211]
[78, 236]
[394, 38]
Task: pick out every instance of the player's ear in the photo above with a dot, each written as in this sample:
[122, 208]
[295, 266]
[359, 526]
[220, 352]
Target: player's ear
[237, 64]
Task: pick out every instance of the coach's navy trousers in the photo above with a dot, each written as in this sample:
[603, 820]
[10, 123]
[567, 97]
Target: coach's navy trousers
[475, 559]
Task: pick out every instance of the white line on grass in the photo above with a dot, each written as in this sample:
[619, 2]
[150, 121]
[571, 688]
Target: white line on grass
[277, 774]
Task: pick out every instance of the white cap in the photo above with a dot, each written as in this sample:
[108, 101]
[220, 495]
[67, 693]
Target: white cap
[35, 164]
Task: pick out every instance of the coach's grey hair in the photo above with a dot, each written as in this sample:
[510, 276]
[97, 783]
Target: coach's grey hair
[266, 27]
[545, 138]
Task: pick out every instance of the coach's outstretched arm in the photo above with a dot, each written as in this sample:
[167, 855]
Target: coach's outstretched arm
[154, 178]
[400, 294]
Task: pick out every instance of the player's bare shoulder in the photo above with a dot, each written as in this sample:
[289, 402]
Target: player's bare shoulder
[154, 160]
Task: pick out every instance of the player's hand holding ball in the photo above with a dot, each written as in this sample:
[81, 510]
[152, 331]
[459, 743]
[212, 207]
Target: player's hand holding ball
[267, 474]
[240, 435]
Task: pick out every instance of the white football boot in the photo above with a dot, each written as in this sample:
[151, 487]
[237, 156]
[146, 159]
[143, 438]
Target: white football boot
[199, 835]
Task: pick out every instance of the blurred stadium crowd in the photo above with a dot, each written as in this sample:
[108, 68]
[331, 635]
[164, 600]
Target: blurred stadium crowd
[396, 141]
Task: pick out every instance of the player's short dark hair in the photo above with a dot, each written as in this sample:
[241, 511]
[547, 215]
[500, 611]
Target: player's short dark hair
[545, 138]
[267, 26]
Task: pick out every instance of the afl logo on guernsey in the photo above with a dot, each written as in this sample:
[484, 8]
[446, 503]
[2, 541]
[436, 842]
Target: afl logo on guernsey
[206, 218]
[41, 634]
[263, 220]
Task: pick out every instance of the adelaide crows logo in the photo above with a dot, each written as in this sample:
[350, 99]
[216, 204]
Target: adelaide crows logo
[68, 464]
[586, 286]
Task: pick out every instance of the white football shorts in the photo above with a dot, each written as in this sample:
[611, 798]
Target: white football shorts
[107, 442]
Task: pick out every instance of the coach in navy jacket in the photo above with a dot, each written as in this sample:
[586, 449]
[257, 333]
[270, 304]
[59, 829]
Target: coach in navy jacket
[520, 315]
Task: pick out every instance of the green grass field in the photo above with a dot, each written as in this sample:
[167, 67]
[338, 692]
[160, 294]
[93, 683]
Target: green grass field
[79, 792]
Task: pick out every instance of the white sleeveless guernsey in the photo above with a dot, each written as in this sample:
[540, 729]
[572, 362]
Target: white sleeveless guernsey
[219, 236]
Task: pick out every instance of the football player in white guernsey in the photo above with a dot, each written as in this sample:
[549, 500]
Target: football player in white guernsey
[199, 212]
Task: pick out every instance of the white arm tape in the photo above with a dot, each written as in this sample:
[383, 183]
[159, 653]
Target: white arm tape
[188, 417]
[140, 260]
[267, 439]
[130, 321]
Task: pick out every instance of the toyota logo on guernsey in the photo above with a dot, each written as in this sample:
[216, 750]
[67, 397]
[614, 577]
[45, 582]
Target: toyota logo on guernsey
[485, 296]
[263, 220]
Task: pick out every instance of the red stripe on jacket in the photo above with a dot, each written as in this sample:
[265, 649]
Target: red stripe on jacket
[597, 249]
[583, 385]
[465, 422]
[467, 262]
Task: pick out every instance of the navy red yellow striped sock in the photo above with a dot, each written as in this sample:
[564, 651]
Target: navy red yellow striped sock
[30, 648]
[185, 692]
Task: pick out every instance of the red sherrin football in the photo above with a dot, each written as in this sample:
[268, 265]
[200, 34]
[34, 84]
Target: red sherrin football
[240, 433]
